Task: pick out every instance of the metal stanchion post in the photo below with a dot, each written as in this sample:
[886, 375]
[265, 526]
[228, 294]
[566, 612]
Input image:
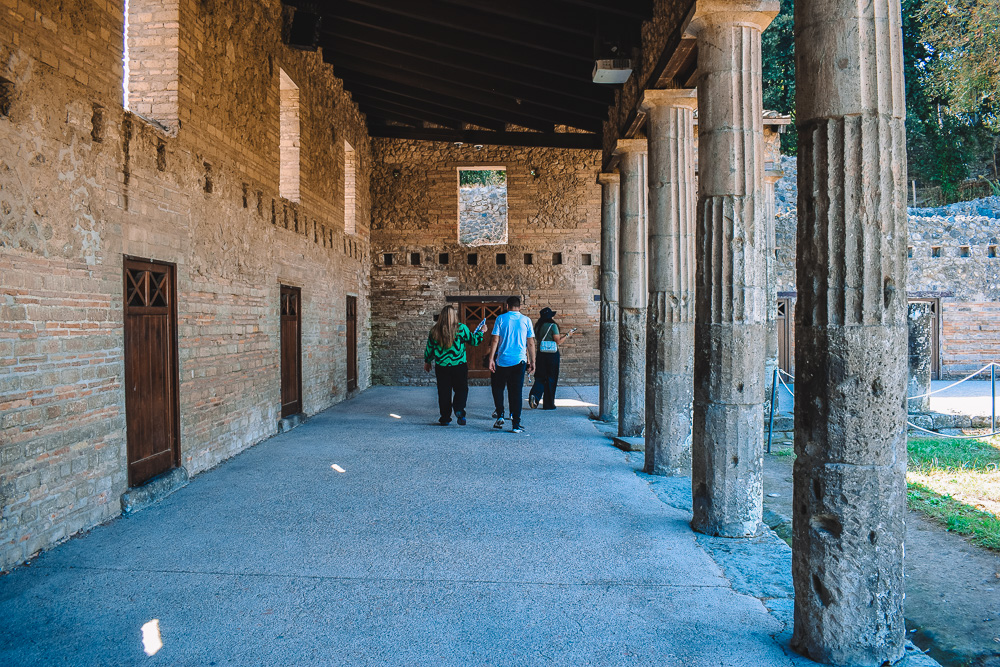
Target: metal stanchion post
[993, 398]
[770, 421]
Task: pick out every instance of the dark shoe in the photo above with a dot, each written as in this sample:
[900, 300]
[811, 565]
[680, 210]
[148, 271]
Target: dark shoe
[552, 408]
[443, 421]
[498, 424]
[461, 420]
[532, 402]
[517, 429]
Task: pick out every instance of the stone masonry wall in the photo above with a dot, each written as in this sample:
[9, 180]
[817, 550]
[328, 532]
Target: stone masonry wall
[415, 210]
[83, 184]
[954, 256]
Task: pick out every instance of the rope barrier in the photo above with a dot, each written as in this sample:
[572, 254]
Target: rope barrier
[992, 364]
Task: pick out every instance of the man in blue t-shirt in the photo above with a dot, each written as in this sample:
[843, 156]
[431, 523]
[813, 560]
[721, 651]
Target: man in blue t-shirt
[512, 349]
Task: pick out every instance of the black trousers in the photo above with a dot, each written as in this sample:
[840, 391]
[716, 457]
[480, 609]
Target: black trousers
[510, 378]
[452, 379]
[546, 379]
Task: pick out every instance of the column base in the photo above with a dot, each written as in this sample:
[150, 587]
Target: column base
[629, 443]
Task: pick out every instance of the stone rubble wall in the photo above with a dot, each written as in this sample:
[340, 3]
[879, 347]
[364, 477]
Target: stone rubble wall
[482, 218]
[415, 210]
[968, 286]
[83, 184]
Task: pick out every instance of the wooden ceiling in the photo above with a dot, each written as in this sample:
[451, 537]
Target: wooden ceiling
[455, 63]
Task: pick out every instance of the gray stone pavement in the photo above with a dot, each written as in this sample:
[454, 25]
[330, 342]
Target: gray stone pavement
[437, 545]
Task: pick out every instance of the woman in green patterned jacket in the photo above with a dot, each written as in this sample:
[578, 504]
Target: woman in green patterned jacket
[446, 348]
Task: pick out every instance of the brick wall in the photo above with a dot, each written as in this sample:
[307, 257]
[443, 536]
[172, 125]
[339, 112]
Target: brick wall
[83, 183]
[970, 337]
[415, 210]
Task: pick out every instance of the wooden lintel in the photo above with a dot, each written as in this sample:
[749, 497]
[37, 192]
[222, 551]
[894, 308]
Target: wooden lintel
[578, 140]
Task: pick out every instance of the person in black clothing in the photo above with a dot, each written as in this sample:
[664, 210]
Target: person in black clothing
[547, 366]
[446, 349]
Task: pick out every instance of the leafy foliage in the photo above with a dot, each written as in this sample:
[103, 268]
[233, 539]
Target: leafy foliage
[951, 61]
[778, 51]
[964, 36]
[940, 142]
[482, 177]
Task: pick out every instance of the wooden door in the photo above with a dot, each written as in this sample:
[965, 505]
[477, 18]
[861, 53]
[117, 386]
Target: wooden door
[471, 314]
[291, 350]
[151, 413]
[352, 343]
[935, 335]
[784, 326]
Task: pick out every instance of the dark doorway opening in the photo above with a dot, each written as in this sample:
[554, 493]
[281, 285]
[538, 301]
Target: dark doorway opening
[352, 343]
[291, 351]
[151, 404]
[471, 314]
[786, 360]
[935, 334]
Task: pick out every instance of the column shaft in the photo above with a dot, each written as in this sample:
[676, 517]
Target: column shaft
[919, 340]
[850, 334]
[731, 243]
[670, 313]
[610, 189]
[771, 177]
[632, 281]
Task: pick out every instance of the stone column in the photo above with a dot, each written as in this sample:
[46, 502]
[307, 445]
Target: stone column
[771, 176]
[670, 313]
[632, 282]
[850, 333]
[610, 188]
[919, 343]
[731, 242]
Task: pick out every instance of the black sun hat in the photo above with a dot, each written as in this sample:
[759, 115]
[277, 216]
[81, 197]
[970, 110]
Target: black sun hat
[547, 313]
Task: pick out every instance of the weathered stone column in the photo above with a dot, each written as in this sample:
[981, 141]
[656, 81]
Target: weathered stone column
[731, 242]
[850, 333]
[919, 344]
[771, 176]
[632, 281]
[610, 188]
[670, 313]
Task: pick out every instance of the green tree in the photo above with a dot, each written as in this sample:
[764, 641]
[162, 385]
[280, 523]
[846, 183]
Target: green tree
[778, 61]
[964, 36]
[482, 177]
[941, 140]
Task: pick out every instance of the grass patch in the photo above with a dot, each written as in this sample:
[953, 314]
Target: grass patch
[783, 451]
[957, 483]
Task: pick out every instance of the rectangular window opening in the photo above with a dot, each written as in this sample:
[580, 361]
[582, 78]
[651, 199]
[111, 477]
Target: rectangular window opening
[935, 251]
[151, 40]
[443, 258]
[387, 259]
[6, 96]
[964, 251]
[414, 259]
[587, 259]
[482, 206]
[501, 259]
[991, 251]
[529, 259]
[350, 189]
[909, 252]
[472, 259]
[556, 258]
[288, 146]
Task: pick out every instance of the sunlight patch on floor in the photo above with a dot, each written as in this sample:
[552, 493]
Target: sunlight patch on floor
[151, 642]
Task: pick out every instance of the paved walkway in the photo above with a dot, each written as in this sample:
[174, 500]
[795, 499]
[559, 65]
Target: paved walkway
[435, 546]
